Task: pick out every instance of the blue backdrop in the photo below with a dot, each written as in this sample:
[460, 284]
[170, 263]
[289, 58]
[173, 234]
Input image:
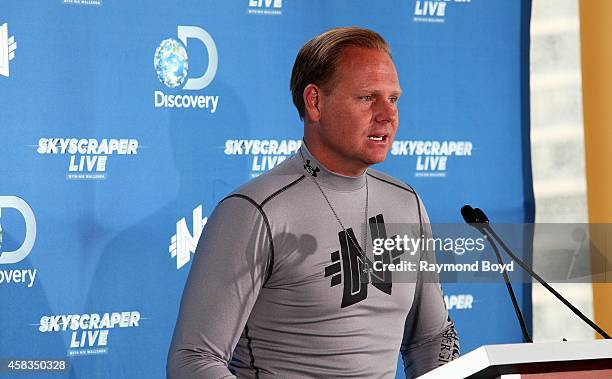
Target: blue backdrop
[118, 164]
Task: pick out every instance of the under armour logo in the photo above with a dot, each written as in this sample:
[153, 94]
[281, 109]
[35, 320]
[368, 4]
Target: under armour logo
[349, 264]
[311, 170]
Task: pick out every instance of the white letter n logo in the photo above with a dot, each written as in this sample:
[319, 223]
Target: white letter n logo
[183, 243]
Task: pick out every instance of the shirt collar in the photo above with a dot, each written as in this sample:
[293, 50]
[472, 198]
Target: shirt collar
[310, 166]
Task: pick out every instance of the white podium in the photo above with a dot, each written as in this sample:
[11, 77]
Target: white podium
[555, 360]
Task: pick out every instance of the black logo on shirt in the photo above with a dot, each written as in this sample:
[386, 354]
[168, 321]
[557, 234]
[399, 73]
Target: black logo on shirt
[311, 170]
[350, 264]
[449, 349]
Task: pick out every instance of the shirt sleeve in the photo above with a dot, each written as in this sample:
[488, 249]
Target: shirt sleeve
[230, 266]
[430, 339]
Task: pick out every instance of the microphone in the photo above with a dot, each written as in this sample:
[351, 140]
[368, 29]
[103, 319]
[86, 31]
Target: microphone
[481, 215]
[469, 215]
[477, 219]
[477, 214]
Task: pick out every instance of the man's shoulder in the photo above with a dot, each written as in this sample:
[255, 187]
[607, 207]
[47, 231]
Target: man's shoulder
[263, 188]
[390, 181]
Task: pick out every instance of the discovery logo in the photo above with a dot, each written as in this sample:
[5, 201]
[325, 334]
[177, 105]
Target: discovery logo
[171, 64]
[7, 49]
[9, 257]
[17, 276]
[184, 242]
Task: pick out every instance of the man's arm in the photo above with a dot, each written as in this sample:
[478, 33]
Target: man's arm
[229, 268]
[430, 339]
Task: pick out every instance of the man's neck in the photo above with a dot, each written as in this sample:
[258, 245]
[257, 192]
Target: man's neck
[324, 176]
[331, 163]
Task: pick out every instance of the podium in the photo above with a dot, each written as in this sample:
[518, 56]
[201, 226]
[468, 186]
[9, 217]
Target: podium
[555, 360]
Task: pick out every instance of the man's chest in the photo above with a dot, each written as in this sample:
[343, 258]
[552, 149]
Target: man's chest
[321, 263]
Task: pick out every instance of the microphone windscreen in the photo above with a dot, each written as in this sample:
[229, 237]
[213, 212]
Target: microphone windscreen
[468, 214]
[480, 215]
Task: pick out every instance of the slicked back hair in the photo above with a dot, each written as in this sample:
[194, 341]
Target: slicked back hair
[317, 60]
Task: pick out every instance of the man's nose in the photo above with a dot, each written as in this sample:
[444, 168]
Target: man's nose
[386, 111]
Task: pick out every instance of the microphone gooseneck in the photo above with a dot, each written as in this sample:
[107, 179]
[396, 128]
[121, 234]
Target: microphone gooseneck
[484, 227]
[476, 218]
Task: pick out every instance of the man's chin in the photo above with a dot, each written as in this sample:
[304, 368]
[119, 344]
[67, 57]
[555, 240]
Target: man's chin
[375, 159]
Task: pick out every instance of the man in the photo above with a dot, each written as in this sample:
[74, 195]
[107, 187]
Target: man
[281, 286]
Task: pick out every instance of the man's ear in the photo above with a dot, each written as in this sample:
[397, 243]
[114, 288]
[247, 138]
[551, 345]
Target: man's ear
[311, 102]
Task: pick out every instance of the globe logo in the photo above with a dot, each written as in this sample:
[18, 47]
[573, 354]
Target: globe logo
[171, 63]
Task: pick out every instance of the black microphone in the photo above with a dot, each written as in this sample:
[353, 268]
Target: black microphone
[468, 214]
[481, 215]
[476, 218]
[486, 227]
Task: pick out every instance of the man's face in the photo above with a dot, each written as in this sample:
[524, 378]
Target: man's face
[358, 110]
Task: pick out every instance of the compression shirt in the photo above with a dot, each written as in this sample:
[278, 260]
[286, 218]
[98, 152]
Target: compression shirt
[277, 286]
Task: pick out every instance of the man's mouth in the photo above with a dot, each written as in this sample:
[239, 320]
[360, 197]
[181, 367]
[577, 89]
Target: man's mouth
[381, 137]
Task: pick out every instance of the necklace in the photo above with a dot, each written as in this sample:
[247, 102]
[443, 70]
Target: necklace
[365, 272]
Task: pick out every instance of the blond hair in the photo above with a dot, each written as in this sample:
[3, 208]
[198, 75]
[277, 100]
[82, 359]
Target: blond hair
[317, 60]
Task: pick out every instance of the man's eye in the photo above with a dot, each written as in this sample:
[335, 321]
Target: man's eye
[366, 98]
[394, 100]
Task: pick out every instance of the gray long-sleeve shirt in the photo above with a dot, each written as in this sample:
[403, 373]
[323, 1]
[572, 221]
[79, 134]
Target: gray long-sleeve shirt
[277, 289]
